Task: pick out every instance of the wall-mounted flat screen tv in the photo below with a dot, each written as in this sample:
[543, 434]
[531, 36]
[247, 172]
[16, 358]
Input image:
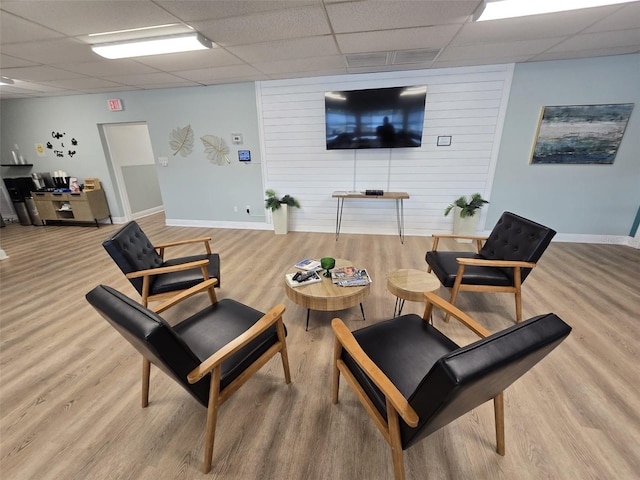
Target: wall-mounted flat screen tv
[375, 118]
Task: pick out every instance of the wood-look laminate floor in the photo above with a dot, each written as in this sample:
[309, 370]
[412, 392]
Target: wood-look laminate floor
[70, 385]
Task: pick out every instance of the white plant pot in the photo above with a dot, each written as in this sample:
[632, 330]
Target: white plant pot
[464, 226]
[281, 220]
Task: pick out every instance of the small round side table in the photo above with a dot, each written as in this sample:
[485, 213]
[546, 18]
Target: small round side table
[410, 285]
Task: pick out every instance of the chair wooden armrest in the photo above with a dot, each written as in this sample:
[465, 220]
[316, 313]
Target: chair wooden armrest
[161, 246]
[172, 268]
[478, 239]
[466, 320]
[377, 376]
[201, 287]
[267, 320]
[481, 262]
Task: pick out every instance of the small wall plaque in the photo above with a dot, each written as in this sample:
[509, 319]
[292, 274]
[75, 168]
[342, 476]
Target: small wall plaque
[444, 141]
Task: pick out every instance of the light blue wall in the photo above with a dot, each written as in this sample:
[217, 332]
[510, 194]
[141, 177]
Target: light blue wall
[192, 188]
[573, 199]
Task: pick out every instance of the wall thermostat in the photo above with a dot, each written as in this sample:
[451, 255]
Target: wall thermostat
[244, 155]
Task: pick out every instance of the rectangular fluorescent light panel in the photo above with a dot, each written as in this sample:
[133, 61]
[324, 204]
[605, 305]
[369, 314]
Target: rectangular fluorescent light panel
[498, 9]
[153, 46]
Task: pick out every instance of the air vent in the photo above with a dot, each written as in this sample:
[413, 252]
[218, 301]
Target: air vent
[415, 56]
[367, 60]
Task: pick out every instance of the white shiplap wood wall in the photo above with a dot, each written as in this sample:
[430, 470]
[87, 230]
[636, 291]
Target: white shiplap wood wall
[467, 103]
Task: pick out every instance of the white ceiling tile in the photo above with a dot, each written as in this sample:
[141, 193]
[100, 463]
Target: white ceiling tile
[265, 27]
[590, 41]
[110, 68]
[526, 28]
[82, 83]
[520, 49]
[73, 17]
[7, 61]
[14, 29]
[626, 16]
[406, 39]
[298, 65]
[601, 52]
[194, 10]
[39, 73]
[283, 49]
[65, 50]
[46, 40]
[146, 79]
[384, 15]
[215, 57]
[205, 74]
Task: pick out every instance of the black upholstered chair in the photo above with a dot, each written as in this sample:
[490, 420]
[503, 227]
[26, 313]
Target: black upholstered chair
[146, 268]
[413, 380]
[501, 264]
[210, 354]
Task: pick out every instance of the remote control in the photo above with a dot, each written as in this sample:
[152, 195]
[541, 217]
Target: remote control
[306, 276]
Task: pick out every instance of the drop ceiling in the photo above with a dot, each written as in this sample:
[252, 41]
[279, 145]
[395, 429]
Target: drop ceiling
[44, 45]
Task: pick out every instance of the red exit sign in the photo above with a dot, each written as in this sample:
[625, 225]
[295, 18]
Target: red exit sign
[115, 104]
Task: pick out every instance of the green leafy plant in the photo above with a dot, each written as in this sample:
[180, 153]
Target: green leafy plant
[468, 207]
[273, 202]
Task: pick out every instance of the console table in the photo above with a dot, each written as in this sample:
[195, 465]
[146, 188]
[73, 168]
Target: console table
[86, 206]
[397, 196]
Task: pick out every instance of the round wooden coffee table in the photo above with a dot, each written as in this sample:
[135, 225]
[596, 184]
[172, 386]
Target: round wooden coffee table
[410, 285]
[324, 296]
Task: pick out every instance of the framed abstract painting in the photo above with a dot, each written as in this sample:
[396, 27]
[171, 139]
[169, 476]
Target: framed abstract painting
[580, 134]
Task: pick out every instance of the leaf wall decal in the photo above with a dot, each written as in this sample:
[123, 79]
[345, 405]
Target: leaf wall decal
[216, 149]
[181, 141]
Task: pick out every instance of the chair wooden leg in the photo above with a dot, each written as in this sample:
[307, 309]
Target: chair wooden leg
[212, 416]
[335, 384]
[498, 408]
[283, 351]
[455, 289]
[146, 373]
[518, 285]
[394, 442]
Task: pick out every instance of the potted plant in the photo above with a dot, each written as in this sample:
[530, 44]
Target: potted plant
[465, 218]
[280, 210]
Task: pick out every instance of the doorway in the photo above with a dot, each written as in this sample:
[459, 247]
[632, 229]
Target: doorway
[132, 163]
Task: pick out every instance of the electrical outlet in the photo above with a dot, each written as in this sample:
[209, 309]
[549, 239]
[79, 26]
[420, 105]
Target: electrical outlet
[248, 210]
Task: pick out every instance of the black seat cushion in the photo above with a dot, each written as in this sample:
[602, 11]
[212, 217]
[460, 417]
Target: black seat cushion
[445, 267]
[442, 381]
[209, 330]
[180, 349]
[183, 279]
[404, 348]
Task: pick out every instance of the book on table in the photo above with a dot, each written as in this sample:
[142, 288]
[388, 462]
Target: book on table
[350, 276]
[314, 278]
[308, 264]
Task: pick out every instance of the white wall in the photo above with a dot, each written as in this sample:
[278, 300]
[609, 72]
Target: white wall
[467, 103]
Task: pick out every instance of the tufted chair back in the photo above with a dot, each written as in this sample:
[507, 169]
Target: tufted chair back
[132, 251]
[517, 238]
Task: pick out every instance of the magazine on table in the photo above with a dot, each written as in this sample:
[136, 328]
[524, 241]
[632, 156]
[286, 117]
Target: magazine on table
[313, 278]
[308, 264]
[350, 276]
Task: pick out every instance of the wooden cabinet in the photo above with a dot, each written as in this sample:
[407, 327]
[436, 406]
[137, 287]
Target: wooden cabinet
[86, 206]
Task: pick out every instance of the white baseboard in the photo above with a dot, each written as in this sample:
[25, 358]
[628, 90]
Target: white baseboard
[217, 224]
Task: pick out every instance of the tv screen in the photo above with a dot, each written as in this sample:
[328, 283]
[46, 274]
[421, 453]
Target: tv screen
[375, 118]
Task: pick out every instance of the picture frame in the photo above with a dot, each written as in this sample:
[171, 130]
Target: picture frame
[580, 134]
